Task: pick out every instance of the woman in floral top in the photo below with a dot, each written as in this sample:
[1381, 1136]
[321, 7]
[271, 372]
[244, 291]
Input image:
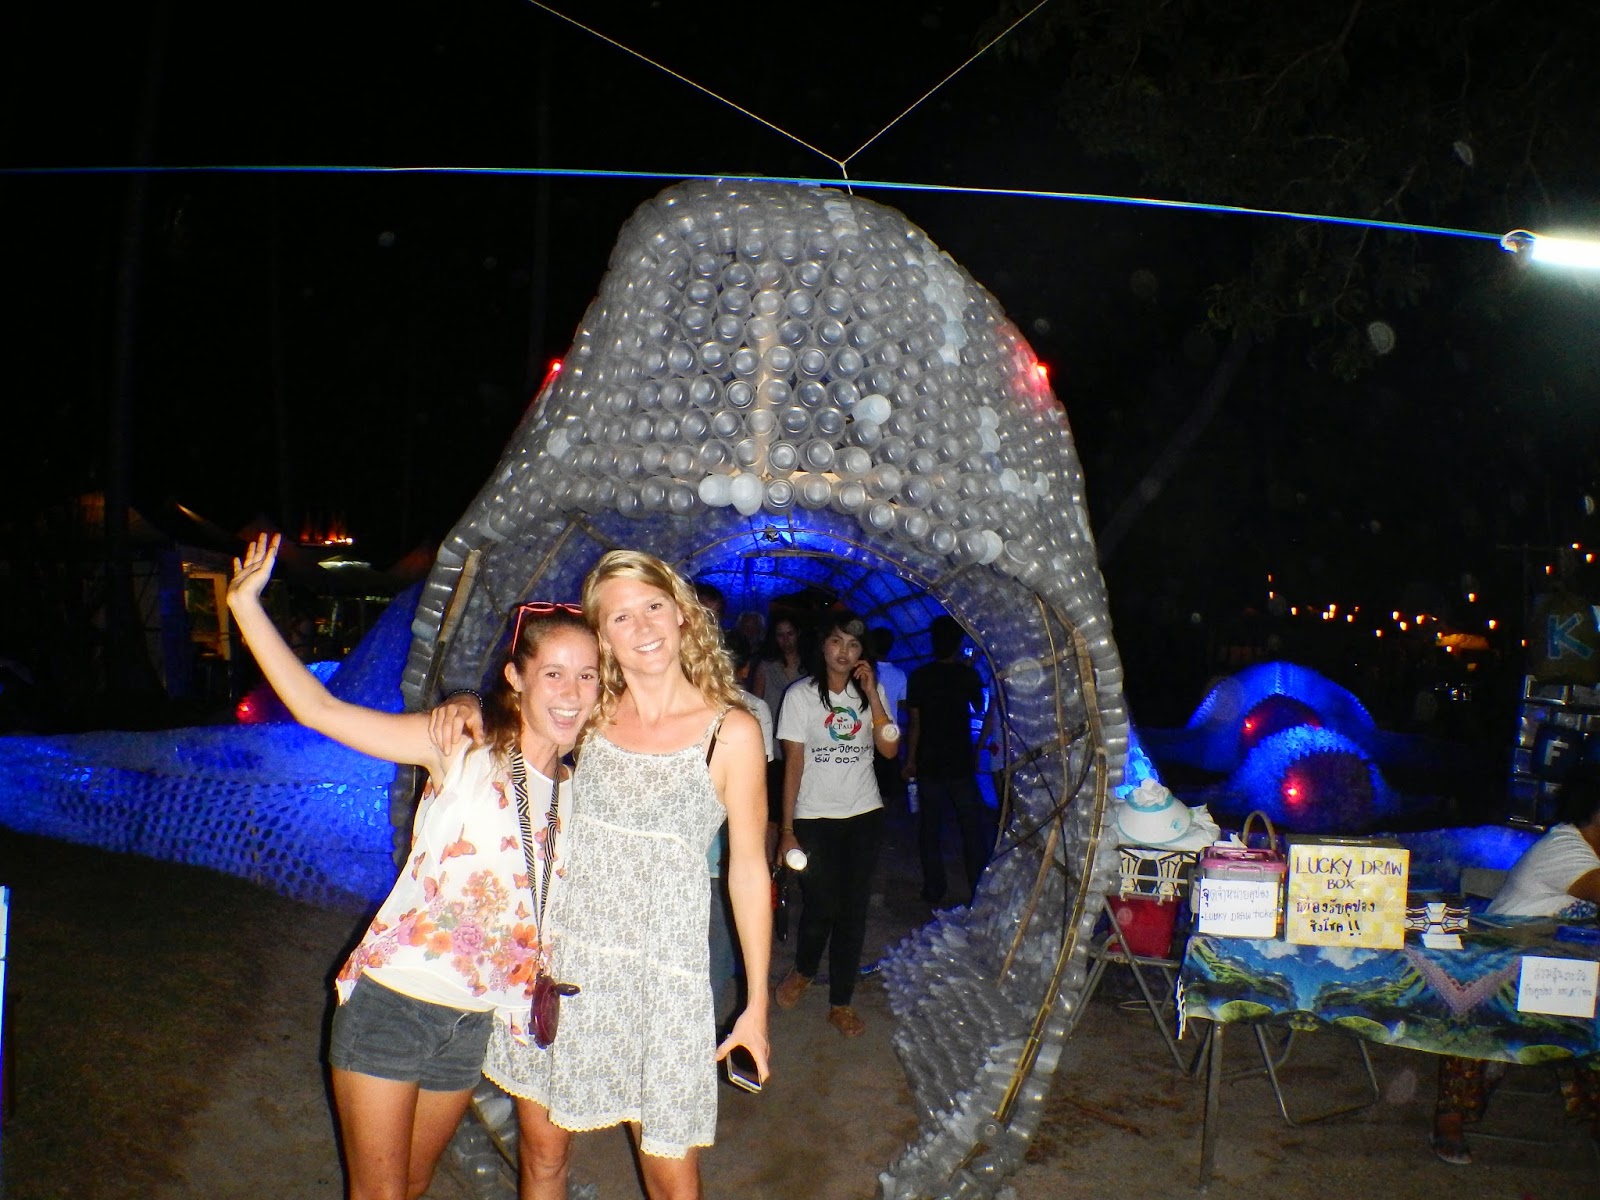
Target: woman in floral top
[455, 947]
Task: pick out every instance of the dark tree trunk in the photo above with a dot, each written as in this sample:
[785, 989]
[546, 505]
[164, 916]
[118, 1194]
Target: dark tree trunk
[127, 663]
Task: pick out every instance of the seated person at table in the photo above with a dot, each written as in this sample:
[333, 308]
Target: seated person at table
[1562, 868]
[1558, 876]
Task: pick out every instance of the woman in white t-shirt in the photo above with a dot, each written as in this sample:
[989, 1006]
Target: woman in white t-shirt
[829, 725]
[455, 948]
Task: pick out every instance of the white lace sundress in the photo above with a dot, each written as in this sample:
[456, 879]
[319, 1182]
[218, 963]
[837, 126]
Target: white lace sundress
[630, 924]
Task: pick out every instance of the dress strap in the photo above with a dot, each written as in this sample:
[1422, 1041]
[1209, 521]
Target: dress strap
[711, 733]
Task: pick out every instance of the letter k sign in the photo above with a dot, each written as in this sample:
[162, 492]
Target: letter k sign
[1559, 639]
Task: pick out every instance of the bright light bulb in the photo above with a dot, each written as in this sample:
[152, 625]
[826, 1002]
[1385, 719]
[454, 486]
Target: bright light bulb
[1553, 251]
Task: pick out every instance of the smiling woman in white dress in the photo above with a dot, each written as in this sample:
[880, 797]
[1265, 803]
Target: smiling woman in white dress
[672, 753]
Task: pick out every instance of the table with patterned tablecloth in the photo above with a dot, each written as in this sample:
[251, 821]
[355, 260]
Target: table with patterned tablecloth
[1441, 1001]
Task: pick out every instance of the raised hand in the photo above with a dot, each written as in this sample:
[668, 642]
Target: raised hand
[251, 573]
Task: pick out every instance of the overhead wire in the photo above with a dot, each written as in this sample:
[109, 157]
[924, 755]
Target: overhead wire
[682, 78]
[917, 103]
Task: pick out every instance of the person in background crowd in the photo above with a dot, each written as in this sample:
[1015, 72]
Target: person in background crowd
[830, 725]
[710, 595]
[891, 784]
[754, 627]
[942, 697]
[780, 662]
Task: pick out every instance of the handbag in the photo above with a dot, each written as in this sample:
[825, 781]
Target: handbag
[545, 996]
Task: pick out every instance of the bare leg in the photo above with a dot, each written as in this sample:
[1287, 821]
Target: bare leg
[671, 1178]
[438, 1116]
[393, 1133]
[544, 1152]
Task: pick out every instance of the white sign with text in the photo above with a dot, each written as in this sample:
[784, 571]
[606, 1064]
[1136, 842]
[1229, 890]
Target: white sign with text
[1237, 907]
[1561, 987]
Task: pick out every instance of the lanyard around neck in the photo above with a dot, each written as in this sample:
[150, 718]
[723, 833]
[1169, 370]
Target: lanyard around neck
[519, 784]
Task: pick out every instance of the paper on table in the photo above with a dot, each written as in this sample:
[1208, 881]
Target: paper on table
[1560, 987]
[1237, 907]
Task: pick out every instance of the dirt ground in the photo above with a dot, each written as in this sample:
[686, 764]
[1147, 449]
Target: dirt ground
[164, 1027]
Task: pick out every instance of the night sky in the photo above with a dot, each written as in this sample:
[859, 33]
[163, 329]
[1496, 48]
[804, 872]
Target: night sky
[361, 345]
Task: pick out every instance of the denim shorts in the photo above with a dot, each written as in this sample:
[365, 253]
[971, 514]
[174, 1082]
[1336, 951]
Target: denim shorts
[380, 1032]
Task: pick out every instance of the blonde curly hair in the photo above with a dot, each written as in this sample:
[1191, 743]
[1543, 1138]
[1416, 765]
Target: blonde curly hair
[702, 655]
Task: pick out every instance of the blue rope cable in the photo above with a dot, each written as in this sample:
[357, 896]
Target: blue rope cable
[798, 181]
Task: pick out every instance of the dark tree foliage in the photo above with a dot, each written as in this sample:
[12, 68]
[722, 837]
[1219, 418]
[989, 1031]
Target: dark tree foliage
[1400, 418]
[1415, 111]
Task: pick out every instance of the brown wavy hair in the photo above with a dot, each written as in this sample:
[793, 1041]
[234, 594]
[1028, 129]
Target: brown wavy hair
[702, 656]
[502, 718]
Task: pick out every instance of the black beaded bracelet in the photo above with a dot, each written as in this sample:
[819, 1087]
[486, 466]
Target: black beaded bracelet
[473, 692]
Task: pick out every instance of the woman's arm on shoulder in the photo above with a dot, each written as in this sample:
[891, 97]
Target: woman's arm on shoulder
[394, 737]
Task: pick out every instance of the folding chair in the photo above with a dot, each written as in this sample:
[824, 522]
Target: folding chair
[1156, 978]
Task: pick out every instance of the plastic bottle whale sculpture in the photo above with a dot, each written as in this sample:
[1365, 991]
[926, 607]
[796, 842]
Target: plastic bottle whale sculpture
[771, 369]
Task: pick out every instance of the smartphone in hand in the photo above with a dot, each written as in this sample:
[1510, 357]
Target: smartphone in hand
[741, 1067]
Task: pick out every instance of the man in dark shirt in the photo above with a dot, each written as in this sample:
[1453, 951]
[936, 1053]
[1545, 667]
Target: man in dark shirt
[941, 699]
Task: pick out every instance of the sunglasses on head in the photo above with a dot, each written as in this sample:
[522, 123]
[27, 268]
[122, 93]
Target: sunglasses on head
[541, 608]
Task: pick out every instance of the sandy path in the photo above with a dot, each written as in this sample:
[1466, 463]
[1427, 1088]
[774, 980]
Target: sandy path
[203, 1079]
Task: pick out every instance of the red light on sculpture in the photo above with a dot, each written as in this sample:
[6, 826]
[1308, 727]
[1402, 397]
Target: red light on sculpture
[550, 374]
[1043, 372]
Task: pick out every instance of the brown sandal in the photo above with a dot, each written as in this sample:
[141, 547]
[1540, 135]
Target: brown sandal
[843, 1018]
[794, 986]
